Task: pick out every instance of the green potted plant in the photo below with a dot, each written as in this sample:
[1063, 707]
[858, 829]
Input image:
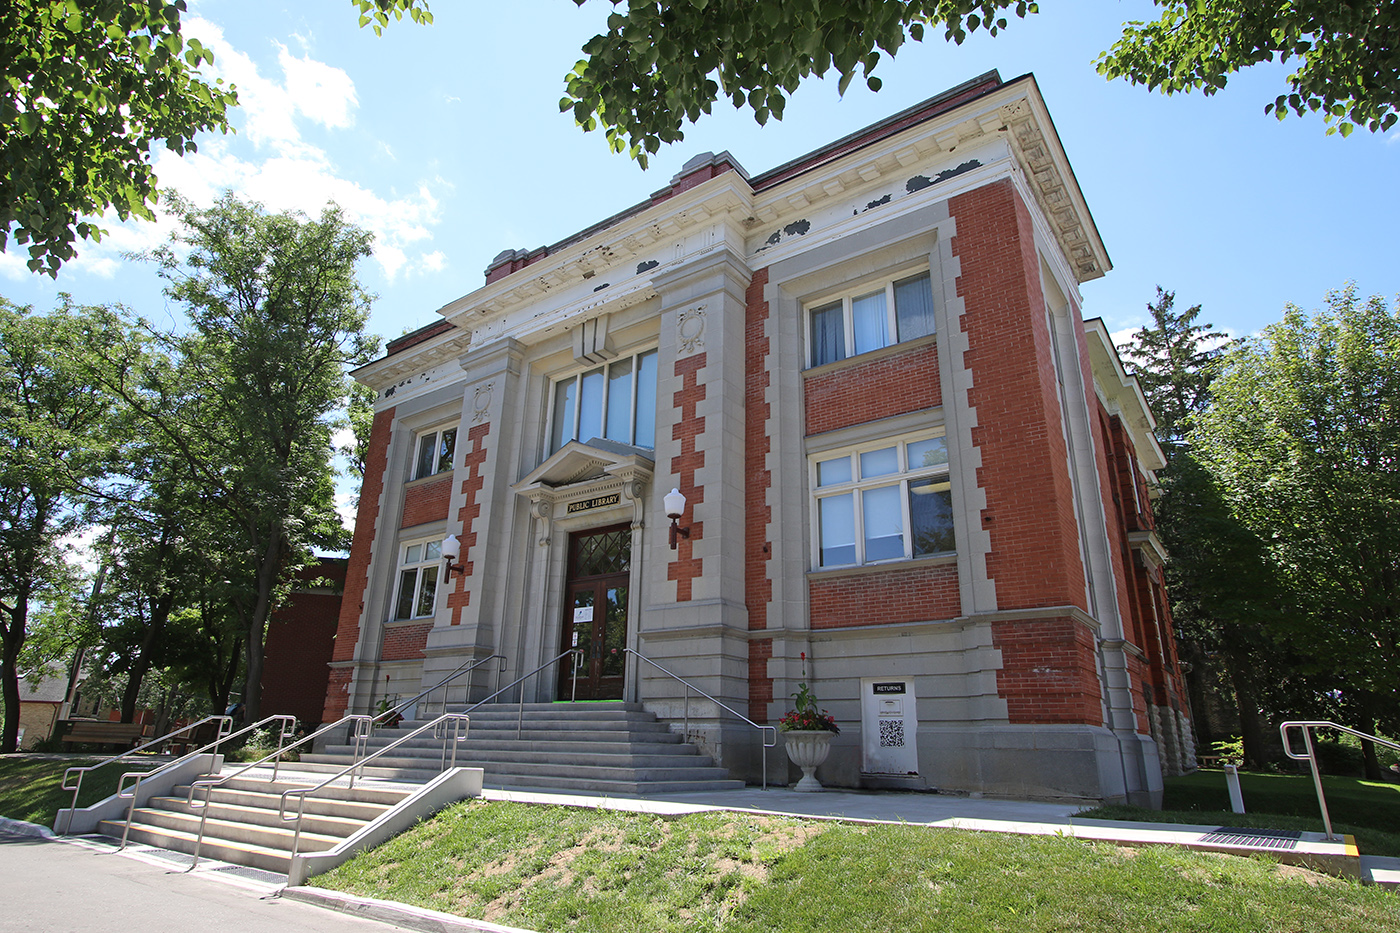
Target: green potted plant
[807, 731]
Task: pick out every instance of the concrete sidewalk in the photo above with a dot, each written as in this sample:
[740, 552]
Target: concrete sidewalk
[1022, 817]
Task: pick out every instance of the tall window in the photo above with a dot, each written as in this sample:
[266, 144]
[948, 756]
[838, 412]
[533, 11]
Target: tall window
[868, 319]
[881, 502]
[434, 452]
[419, 565]
[616, 401]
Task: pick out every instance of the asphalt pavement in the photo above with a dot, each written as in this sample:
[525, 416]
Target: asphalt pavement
[61, 886]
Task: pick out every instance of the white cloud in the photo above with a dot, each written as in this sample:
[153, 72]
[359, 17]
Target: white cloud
[283, 171]
[435, 261]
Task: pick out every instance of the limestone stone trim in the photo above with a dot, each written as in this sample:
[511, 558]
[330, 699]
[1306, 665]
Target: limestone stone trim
[1146, 543]
[690, 331]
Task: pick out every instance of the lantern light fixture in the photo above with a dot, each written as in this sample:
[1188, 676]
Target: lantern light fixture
[675, 508]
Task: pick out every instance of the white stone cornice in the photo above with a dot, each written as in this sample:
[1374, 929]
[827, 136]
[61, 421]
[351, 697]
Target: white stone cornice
[725, 196]
[1037, 148]
[1014, 112]
[420, 358]
[1122, 392]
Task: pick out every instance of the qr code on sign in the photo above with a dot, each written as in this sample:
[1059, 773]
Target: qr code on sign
[892, 733]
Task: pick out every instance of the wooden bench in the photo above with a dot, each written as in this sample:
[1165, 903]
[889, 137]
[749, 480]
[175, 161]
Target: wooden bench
[104, 733]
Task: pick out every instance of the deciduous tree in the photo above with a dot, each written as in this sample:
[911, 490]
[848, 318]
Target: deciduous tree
[246, 404]
[56, 442]
[1303, 438]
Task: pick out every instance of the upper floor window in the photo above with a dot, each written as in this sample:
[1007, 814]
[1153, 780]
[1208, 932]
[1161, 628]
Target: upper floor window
[434, 452]
[419, 565]
[868, 319]
[616, 401]
[882, 501]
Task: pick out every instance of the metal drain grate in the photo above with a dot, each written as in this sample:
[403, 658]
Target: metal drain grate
[1254, 838]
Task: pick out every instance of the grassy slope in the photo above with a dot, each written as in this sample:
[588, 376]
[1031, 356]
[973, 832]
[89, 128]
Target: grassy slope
[1367, 810]
[30, 791]
[563, 869]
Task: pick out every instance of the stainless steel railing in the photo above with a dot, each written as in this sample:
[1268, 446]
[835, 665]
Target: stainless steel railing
[763, 730]
[359, 720]
[459, 723]
[222, 735]
[465, 668]
[1310, 755]
[520, 715]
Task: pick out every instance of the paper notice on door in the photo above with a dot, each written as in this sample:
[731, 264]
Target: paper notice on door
[583, 613]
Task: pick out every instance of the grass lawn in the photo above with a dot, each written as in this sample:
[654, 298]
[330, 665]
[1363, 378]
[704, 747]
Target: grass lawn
[30, 784]
[556, 869]
[1368, 810]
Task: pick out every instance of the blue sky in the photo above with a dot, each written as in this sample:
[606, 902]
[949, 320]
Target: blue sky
[447, 142]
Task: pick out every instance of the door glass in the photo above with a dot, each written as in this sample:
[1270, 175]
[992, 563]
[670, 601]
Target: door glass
[607, 552]
[615, 634]
[582, 626]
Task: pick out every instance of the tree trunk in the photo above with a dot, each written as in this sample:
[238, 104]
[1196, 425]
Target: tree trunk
[1368, 748]
[268, 569]
[9, 672]
[1251, 723]
[141, 666]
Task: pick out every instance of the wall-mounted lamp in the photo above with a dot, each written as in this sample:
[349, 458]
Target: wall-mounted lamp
[451, 550]
[675, 507]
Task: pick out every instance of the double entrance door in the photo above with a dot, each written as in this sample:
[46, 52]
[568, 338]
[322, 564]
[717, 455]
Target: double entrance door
[595, 613]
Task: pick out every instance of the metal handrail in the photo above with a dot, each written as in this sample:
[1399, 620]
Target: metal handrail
[276, 758]
[225, 724]
[466, 668]
[1306, 726]
[689, 686]
[520, 717]
[456, 737]
[143, 775]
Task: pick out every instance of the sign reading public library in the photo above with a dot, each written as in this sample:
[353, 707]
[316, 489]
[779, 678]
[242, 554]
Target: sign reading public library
[597, 502]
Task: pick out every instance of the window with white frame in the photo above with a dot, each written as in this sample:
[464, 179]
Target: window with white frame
[869, 318]
[884, 501]
[433, 452]
[616, 401]
[419, 566]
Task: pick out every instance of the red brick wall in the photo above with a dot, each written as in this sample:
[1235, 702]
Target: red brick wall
[758, 479]
[760, 684]
[357, 569]
[427, 502]
[405, 642]
[685, 567]
[1049, 673]
[1030, 507]
[916, 594]
[459, 597]
[300, 638]
[1137, 677]
[881, 388]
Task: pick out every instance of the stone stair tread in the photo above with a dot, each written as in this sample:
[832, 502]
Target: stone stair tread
[336, 826]
[357, 810]
[238, 853]
[221, 829]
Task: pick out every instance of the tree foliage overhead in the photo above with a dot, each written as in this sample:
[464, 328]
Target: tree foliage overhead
[87, 89]
[661, 64]
[1347, 54]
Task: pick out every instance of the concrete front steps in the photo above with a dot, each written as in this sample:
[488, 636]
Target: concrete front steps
[243, 826]
[601, 748]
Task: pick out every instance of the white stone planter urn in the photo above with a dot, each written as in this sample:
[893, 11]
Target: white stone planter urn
[808, 748]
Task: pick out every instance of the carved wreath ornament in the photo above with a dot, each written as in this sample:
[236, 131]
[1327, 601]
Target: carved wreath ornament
[690, 327]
